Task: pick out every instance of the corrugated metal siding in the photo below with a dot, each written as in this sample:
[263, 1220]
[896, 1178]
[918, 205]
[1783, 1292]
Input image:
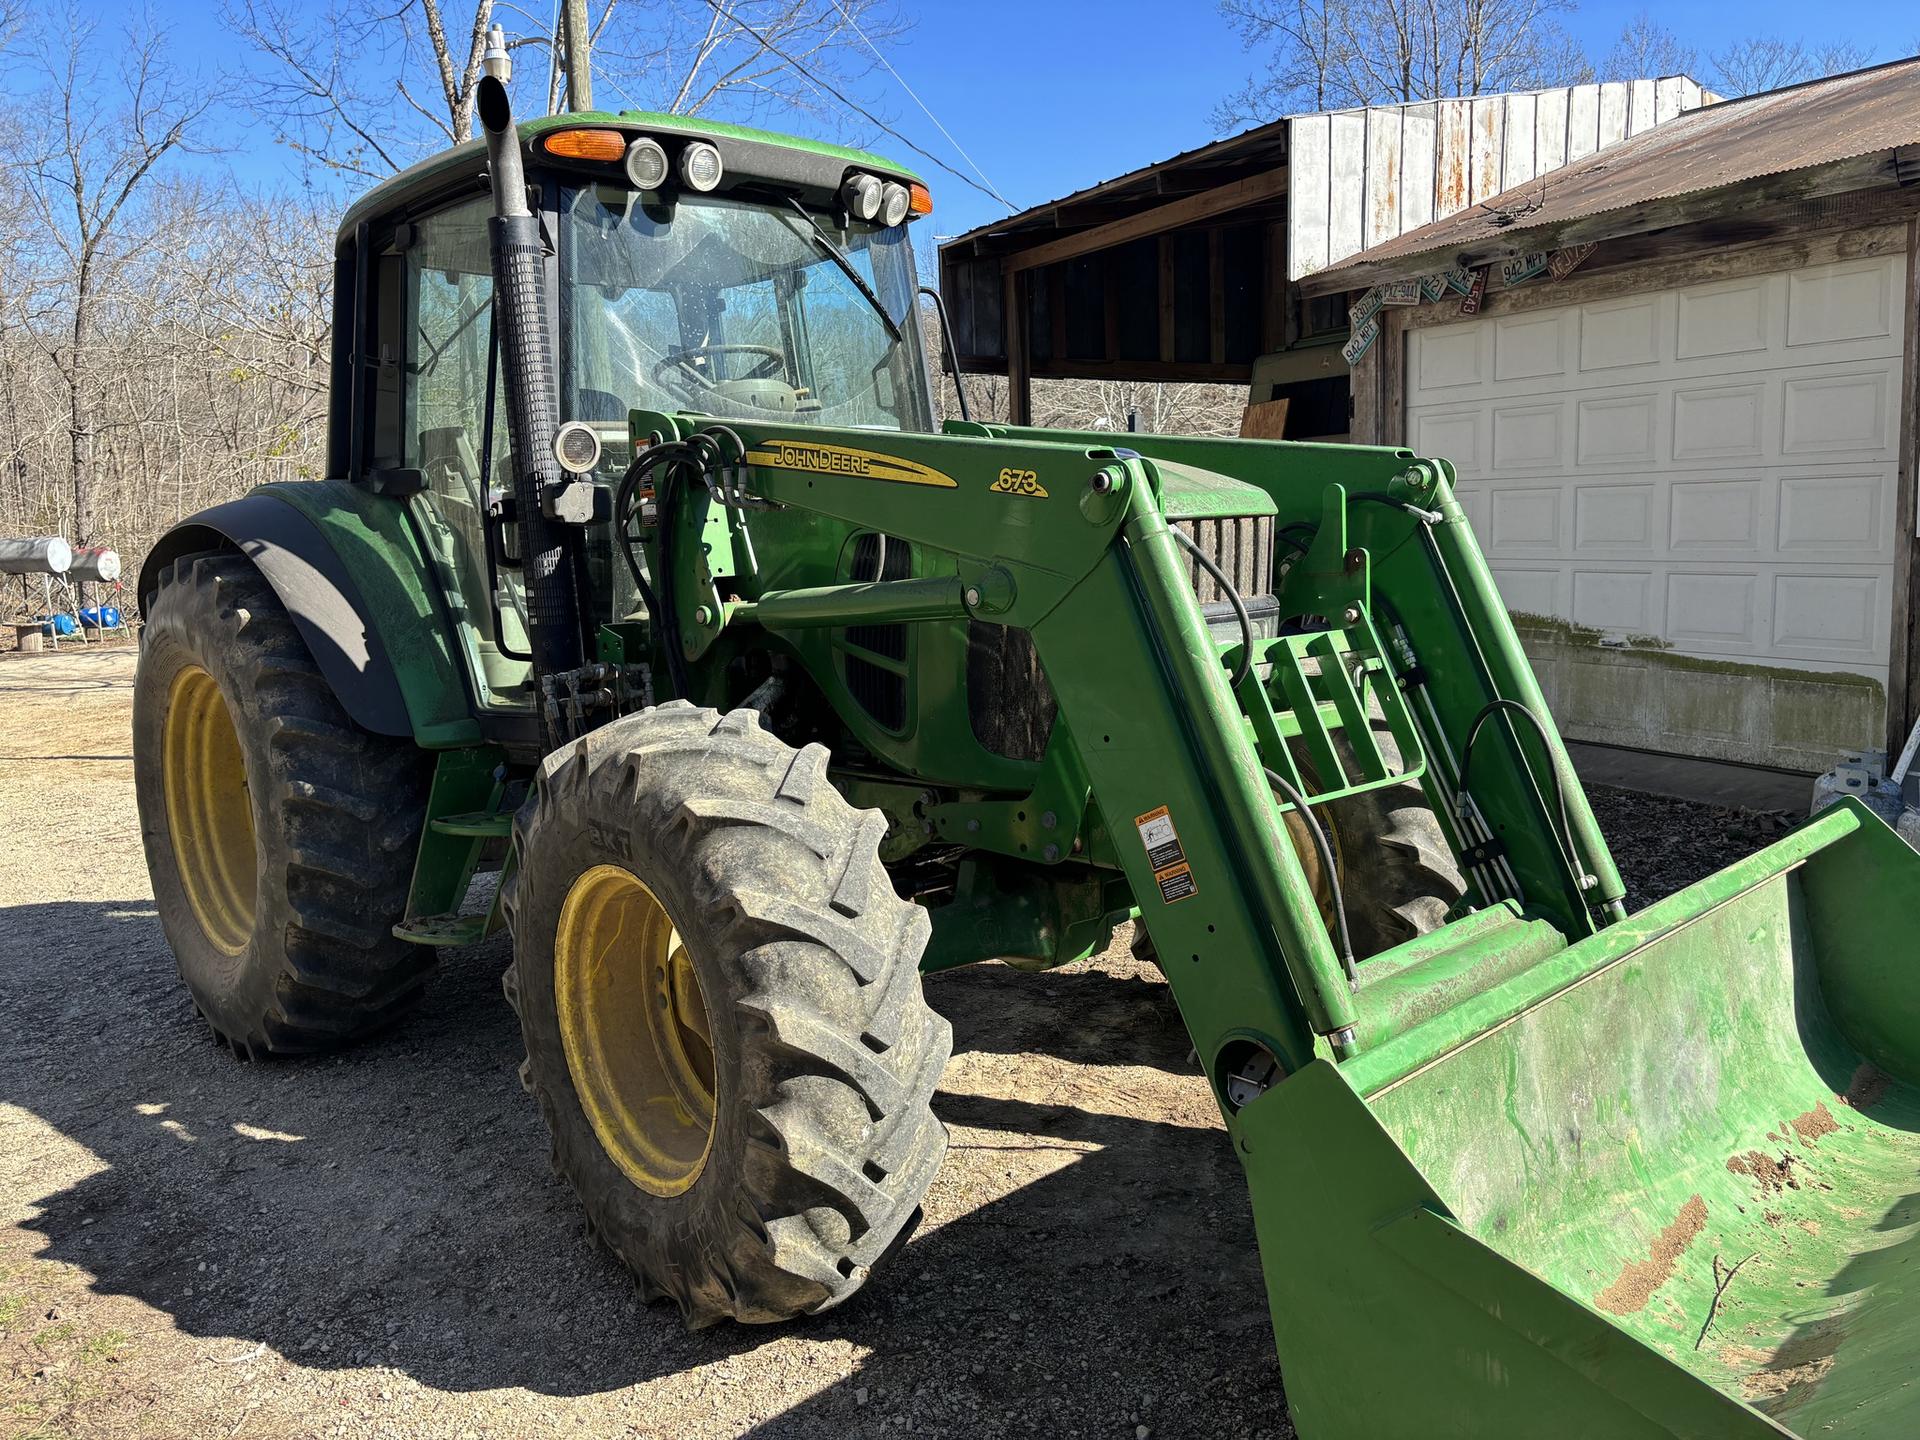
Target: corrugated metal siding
[1363, 177]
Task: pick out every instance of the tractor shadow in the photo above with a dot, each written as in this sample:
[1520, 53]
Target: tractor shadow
[392, 1206]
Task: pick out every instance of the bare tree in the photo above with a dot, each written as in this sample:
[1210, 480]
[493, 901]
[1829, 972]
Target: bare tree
[85, 184]
[366, 86]
[1330, 54]
[1646, 50]
[1750, 66]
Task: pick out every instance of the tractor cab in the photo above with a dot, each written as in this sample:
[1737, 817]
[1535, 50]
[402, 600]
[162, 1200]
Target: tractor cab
[691, 268]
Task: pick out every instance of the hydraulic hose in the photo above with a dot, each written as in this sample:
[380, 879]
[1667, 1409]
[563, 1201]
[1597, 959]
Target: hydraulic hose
[1325, 848]
[1241, 670]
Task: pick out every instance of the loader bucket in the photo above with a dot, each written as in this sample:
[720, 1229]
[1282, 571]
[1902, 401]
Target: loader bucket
[1665, 1181]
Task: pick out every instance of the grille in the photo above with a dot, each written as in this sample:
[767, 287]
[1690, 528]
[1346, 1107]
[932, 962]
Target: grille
[1241, 545]
[876, 689]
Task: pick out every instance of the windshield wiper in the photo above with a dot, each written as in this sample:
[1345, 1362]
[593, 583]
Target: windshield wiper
[839, 257]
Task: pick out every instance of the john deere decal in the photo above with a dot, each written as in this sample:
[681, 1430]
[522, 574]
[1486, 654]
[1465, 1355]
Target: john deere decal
[839, 460]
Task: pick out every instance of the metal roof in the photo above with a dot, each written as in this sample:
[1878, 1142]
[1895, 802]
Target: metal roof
[1804, 126]
[1263, 145]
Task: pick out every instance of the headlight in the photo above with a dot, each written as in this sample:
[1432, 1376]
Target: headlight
[576, 445]
[893, 205]
[700, 166]
[646, 164]
[862, 194]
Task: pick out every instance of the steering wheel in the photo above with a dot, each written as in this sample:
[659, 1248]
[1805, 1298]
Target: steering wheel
[772, 361]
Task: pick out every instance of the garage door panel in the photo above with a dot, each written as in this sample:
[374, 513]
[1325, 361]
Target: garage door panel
[1717, 611]
[1613, 517]
[1524, 518]
[1838, 616]
[1836, 303]
[1719, 422]
[1838, 514]
[1527, 437]
[1450, 358]
[1452, 435]
[1617, 430]
[1736, 318]
[1623, 334]
[1825, 413]
[1718, 517]
[1531, 590]
[1615, 602]
[1533, 345]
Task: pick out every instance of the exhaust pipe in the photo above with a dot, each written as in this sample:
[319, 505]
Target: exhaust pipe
[544, 501]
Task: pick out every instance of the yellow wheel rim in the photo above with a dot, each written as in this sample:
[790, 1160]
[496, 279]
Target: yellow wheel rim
[633, 1023]
[209, 812]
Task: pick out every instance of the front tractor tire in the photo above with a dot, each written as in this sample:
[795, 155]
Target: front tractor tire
[720, 994]
[279, 835]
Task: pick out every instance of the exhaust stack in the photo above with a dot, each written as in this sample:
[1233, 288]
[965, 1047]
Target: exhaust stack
[546, 501]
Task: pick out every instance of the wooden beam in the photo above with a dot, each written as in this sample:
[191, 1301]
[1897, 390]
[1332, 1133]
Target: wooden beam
[1273, 287]
[1019, 356]
[1624, 267]
[1216, 298]
[1903, 678]
[1167, 332]
[1178, 370]
[1173, 216]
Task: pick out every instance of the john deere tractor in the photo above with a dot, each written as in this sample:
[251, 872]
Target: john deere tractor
[643, 578]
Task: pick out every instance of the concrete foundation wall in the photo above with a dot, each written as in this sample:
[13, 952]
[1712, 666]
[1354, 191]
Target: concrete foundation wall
[1656, 699]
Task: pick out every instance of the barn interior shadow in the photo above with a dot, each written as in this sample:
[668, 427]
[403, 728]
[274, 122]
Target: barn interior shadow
[392, 1206]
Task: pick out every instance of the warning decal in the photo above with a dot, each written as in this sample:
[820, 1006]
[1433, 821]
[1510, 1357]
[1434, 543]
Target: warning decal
[1162, 843]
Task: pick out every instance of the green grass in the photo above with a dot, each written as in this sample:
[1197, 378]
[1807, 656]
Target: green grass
[11, 1309]
[56, 1334]
[103, 1346]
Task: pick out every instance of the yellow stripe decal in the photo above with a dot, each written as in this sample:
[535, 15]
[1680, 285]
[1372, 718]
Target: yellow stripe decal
[840, 460]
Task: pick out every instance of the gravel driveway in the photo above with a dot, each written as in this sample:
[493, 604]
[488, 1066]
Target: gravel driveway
[372, 1244]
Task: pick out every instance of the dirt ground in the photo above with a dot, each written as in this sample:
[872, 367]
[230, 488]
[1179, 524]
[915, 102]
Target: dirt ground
[373, 1244]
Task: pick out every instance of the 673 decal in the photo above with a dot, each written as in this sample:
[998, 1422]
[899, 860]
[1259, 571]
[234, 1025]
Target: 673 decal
[1019, 482]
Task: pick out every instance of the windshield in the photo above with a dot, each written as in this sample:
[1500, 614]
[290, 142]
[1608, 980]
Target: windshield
[738, 310]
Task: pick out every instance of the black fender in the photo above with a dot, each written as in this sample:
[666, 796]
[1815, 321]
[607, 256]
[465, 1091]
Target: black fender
[321, 598]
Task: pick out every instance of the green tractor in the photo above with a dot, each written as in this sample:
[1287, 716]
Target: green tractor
[642, 576]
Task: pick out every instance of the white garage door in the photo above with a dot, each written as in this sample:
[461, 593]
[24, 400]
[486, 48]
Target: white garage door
[1702, 481]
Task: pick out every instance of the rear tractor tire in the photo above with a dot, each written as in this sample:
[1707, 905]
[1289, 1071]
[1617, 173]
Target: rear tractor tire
[720, 996]
[279, 835]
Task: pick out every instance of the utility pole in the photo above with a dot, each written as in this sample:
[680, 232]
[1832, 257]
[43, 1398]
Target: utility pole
[579, 53]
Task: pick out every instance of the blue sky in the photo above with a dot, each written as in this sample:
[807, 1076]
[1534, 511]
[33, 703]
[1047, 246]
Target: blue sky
[1049, 96]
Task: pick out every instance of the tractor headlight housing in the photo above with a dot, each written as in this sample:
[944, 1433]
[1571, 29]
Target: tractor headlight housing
[893, 205]
[576, 445]
[646, 162]
[700, 166]
[862, 195]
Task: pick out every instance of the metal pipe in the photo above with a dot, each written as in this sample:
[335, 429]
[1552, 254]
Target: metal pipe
[876, 602]
[946, 344]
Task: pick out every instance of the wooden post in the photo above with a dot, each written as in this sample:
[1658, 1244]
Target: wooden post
[1903, 672]
[579, 54]
[1019, 358]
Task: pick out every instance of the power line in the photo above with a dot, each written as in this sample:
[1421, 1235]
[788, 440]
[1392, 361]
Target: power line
[847, 15]
[726, 14]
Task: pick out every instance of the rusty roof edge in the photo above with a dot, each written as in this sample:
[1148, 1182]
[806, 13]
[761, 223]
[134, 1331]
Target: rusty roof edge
[1398, 257]
[1372, 271]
